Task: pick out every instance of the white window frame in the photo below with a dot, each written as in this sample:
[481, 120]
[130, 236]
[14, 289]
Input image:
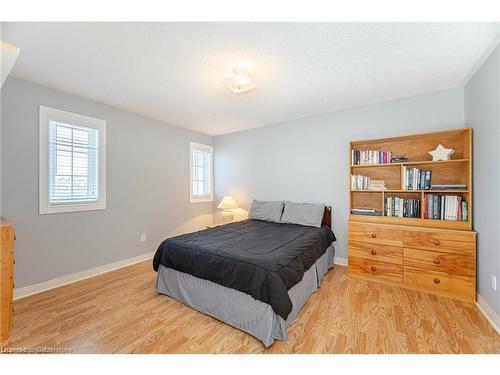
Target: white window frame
[46, 115]
[206, 148]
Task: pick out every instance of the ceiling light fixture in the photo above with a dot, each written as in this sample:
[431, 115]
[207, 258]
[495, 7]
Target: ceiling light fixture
[240, 82]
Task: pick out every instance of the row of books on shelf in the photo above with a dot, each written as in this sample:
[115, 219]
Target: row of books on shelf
[421, 179]
[402, 207]
[370, 157]
[445, 207]
[416, 179]
[359, 182]
[436, 207]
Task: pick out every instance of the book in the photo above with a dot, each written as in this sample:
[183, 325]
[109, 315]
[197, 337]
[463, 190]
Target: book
[368, 212]
[388, 208]
[399, 159]
[459, 209]
[448, 207]
[428, 176]
[436, 207]
[448, 187]
[376, 185]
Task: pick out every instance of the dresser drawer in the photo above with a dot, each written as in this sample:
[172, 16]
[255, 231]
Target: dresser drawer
[377, 252]
[378, 234]
[462, 287]
[457, 242]
[439, 262]
[381, 270]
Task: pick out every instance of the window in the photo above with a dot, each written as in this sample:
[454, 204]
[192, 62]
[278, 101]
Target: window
[72, 170]
[201, 172]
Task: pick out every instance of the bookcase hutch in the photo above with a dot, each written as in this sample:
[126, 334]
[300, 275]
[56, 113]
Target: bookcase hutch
[436, 256]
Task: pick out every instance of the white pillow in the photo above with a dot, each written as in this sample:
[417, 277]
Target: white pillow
[268, 211]
[303, 213]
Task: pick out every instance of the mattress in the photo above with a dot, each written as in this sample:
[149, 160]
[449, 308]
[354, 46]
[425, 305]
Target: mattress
[239, 309]
[262, 259]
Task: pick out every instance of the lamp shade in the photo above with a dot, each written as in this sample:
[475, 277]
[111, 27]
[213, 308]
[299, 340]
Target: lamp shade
[227, 203]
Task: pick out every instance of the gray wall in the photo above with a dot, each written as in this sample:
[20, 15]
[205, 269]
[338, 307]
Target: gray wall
[147, 182]
[482, 102]
[307, 159]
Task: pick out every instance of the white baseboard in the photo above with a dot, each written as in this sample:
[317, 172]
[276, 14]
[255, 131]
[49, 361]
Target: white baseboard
[340, 261]
[68, 279]
[488, 313]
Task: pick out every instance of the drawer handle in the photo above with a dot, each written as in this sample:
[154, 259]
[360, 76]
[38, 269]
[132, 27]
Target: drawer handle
[436, 261]
[374, 269]
[437, 281]
[374, 235]
[374, 252]
[436, 242]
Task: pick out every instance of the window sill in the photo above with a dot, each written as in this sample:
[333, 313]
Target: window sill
[72, 208]
[201, 200]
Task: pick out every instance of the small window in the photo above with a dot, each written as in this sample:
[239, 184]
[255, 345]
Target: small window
[201, 172]
[72, 162]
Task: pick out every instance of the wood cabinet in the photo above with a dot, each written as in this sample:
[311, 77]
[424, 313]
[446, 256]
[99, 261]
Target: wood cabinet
[6, 277]
[435, 256]
[446, 266]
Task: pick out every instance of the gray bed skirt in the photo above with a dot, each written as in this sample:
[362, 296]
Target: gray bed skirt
[238, 309]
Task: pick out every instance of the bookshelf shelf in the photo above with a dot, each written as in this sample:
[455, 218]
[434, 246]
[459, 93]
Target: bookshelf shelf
[452, 161]
[417, 222]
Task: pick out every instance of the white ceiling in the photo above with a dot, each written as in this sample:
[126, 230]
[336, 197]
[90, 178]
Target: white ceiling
[174, 72]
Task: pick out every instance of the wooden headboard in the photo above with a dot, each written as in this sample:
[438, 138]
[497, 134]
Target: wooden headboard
[327, 216]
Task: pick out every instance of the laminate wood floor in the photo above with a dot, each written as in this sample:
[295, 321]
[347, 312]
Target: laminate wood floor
[120, 312]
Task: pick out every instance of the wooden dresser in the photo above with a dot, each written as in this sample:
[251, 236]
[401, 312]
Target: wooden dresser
[438, 261]
[431, 255]
[6, 277]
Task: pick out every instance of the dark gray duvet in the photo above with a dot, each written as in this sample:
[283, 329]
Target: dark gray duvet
[260, 258]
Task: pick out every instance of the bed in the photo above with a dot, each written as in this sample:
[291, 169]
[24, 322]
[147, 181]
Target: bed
[254, 275]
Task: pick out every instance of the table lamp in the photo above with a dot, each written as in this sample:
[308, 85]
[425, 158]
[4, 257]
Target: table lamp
[227, 204]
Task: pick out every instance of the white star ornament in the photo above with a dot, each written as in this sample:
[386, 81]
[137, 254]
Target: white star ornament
[441, 153]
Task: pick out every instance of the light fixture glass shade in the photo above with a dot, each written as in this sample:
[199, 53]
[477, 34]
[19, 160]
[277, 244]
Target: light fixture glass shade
[239, 82]
[227, 203]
